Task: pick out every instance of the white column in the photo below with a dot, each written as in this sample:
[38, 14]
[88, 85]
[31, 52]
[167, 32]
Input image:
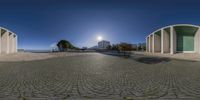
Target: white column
[16, 48]
[172, 40]
[153, 43]
[0, 41]
[149, 43]
[196, 41]
[162, 41]
[15, 44]
[5, 42]
[10, 42]
[198, 36]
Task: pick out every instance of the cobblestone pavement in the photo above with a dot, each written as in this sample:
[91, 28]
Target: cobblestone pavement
[98, 76]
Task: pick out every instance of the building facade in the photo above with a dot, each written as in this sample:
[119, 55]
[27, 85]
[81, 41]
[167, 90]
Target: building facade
[8, 41]
[184, 38]
[103, 44]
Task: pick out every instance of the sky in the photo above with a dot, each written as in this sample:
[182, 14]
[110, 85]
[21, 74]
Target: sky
[41, 23]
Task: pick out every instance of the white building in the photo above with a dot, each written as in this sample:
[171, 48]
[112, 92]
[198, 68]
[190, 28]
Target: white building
[171, 39]
[8, 41]
[103, 44]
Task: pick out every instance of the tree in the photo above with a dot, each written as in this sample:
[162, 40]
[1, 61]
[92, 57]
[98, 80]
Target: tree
[115, 47]
[63, 45]
[54, 47]
[141, 46]
[125, 47]
[109, 47]
[144, 48]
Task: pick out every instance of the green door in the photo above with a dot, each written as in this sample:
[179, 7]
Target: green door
[185, 37]
[185, 42]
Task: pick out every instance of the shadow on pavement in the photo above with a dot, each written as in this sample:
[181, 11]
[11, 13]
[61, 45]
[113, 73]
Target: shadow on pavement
[151, 60]
[140, 58]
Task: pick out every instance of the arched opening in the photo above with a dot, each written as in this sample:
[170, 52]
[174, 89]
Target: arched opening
[185, 38]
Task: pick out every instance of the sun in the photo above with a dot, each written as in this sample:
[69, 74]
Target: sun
[99, 38]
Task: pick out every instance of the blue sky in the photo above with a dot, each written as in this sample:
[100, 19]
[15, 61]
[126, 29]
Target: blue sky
[40, 23]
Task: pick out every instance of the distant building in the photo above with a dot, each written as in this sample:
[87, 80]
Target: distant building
[84, 48]
[93, 48]
[103, 44]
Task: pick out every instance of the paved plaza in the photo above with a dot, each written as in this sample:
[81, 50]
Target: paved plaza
[99, 76]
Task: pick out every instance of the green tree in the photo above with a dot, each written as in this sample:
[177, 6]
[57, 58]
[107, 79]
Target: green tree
[109, 47]
[63, 45]
[124, 47]
[115, 47]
